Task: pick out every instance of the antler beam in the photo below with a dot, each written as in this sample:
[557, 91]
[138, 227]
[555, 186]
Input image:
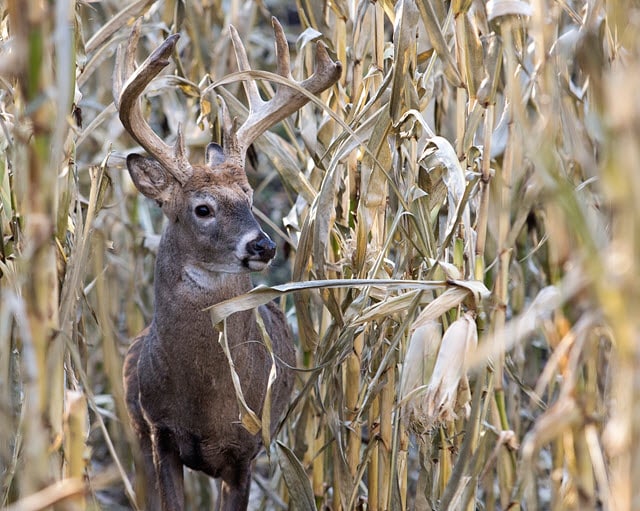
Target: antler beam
[127, 98]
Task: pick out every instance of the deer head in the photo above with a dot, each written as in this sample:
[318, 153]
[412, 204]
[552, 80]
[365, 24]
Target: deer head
[210, 205]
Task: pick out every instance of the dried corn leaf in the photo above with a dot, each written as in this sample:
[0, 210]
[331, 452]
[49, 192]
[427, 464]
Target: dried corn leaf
[248, 417]
[273, 374]
[470, 48]
[263, 294]
[404, 38]
[515, 331]
[296, 479]
[439, 42]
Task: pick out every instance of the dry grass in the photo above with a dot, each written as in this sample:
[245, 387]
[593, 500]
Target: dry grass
[467, 194]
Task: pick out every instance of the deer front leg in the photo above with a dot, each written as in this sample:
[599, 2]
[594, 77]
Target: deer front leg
[168, 468]
[146, 485]
[235, 488]
[150, 489]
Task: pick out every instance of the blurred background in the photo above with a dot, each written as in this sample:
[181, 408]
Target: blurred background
[466, 195]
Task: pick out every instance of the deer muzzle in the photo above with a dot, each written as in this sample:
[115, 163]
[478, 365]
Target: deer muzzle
[259, 252]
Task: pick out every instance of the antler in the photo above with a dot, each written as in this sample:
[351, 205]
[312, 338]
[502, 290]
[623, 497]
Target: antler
[127, 100]
[264, 114]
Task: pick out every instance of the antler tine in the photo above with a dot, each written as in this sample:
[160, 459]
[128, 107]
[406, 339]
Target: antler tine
[264, 114]
[229, 140]
[173, 159]
[283, 64]
[124, 66]
[250, 87]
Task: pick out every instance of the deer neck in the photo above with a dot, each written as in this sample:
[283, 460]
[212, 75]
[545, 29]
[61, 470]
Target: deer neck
[184, 288]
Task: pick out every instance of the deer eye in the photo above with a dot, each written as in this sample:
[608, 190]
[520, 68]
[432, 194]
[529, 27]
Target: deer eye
[203, 211]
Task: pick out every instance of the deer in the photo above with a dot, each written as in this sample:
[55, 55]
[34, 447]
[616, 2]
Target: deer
[179, 393]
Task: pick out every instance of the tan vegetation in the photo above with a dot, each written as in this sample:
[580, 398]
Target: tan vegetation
[464, 203]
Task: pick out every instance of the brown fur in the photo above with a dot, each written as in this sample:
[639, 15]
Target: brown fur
[179, 393]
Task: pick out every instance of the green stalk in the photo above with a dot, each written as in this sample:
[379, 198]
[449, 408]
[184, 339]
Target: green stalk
[485, 185]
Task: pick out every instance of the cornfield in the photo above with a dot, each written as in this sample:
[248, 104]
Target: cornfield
[458, 226]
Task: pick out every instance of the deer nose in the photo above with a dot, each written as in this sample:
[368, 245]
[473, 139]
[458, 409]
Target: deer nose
[262, 248]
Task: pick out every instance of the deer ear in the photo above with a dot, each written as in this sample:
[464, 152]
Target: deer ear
[214, 155]
[150, 177]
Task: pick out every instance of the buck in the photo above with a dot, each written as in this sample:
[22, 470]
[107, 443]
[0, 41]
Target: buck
[178, 380]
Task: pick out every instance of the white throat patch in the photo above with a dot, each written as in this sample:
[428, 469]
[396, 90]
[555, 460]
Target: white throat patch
[202, 277]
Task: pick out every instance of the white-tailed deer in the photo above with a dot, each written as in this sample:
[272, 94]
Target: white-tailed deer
[179, 390]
